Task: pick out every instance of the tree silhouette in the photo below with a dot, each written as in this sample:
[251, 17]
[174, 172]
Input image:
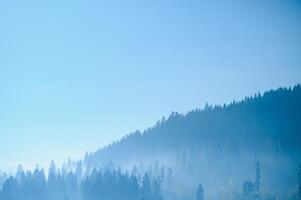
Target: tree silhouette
[299, 183]
[146, 187]
[200, 193]
[258, 177]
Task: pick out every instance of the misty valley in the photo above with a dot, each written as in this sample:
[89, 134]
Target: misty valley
[245, 150]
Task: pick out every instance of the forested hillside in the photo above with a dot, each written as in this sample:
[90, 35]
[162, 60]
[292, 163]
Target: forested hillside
[246, 150]
[272, 119]
[219, 145]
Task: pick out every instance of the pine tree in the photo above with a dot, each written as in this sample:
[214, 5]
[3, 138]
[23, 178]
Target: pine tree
[200, 193]
[299, 186]
[156, 190]
[146, 187]
[258, 177]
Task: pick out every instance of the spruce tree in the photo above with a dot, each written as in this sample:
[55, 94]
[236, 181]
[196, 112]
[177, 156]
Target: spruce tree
[258, 177]
[146, 187]
[299, 186]
[200, 193]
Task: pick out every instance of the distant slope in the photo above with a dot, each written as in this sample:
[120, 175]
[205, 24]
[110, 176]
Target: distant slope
[197, 145]
[272, 119]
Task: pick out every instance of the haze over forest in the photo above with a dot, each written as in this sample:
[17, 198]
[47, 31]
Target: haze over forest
[249, 149]
[150, 100]
[76, 75]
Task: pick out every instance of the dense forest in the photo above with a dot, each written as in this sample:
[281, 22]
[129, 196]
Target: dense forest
[219, 145]
[249, 149]
[70, 184]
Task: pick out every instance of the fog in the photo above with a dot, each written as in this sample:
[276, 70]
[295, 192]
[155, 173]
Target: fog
[244, 150]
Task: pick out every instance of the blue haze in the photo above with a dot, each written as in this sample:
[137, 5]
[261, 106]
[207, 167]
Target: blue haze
[75, 75]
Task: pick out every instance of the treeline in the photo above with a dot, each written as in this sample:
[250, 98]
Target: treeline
[268, 122]
[252, 190]
[216, 146]
[108, 184]
[62, 184]
[219, 144]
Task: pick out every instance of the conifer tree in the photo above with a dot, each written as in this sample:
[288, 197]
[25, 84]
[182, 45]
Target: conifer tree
[299, 186]
[258, 177]
[200, 193]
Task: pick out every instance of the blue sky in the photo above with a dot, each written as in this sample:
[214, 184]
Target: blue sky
[75, 75]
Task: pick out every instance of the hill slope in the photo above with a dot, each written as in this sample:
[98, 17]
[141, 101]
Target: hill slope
[274, 117]
[230, 137]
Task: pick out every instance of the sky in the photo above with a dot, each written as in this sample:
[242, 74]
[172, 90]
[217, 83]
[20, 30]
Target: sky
[76, 75]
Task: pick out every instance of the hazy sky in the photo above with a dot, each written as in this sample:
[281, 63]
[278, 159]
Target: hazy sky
[76, 74]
